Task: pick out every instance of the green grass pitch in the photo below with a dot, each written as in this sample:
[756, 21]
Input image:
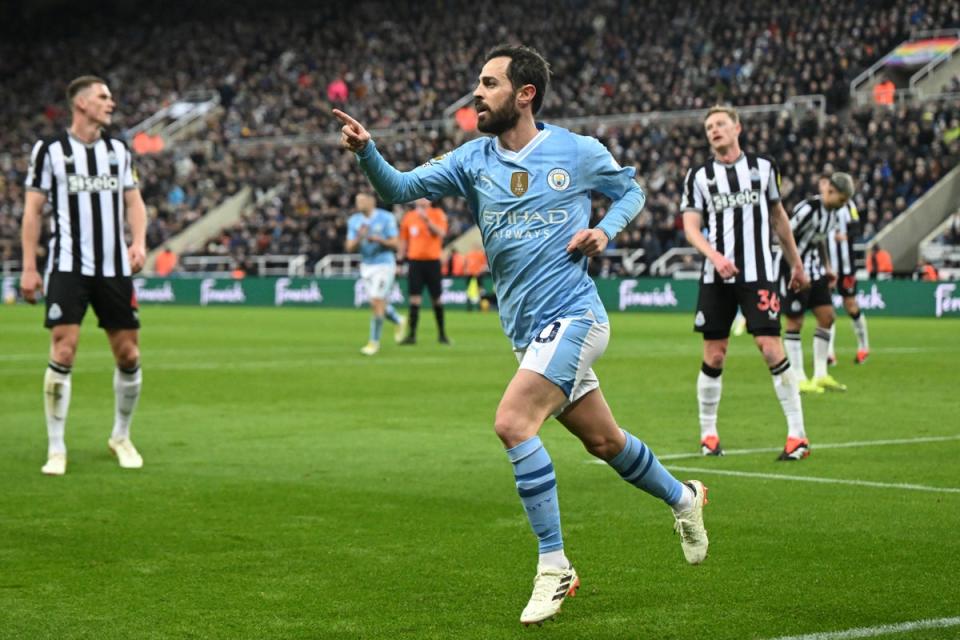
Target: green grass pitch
[293, 488]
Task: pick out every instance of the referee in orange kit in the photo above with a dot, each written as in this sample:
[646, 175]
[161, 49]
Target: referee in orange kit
[421, 241]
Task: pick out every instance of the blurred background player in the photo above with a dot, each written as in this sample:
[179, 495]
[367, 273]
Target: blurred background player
[374, 231]
[421, 243]
[530, 189]
[89, 176]
[739, 194]
[840, 250]
[813, 222]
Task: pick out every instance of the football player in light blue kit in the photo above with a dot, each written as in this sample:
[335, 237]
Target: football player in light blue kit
[375, 232]
[529, 190]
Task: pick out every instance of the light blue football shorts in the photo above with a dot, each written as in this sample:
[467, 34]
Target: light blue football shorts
[564, 352]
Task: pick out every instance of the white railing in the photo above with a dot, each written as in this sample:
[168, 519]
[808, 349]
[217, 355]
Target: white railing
[932, 250]
[857, 85]
[338, 264]
[214, 265]
[633, 263]
[181, 113]
[10, 267]
[265, 265]
[672, 264]
[281, 265]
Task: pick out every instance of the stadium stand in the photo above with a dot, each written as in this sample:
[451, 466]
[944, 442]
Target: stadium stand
[276, 77]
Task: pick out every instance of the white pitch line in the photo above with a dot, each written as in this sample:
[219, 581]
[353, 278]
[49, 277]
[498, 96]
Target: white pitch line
[881, 630]
[818, 446]
[777, 476]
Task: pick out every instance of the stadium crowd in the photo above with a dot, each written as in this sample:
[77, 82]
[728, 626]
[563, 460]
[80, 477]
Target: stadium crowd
[277, 75]
[895, 156]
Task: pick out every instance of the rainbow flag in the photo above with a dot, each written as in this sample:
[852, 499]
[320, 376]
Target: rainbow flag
[920, 52]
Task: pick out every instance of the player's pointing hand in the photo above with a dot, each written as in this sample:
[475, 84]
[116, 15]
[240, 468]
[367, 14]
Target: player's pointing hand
[353, 136]
[590, 242]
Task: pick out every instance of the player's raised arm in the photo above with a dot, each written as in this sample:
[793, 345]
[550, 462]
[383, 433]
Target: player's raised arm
[439, 177]
[352, 135]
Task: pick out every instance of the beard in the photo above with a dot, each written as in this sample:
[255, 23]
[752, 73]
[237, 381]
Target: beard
[503, 119]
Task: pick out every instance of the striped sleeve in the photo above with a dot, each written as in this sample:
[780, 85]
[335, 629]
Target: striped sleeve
[773, 184]
[131, 179]
[800, 219]
[39, 173]
[692, 197]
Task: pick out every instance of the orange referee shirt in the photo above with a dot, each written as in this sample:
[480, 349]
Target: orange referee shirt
[415, 234]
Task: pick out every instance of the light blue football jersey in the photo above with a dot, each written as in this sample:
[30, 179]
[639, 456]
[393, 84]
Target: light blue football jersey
[528, 205]
[381, 223]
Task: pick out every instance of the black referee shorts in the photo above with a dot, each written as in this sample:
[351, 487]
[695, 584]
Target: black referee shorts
[113, 300]
[425, 272]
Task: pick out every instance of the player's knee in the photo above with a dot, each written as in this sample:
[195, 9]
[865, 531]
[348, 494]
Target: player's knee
[715, 356]
[512, 428]
[128, 356]
[771, 349]
[64, 351]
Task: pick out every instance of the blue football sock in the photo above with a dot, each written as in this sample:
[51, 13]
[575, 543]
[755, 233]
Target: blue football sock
[637, 465]
[537, 486]
[376, 328]
[392, 314]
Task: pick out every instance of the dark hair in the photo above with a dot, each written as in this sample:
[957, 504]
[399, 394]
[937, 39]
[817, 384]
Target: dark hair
[79, 84]
[526, 66]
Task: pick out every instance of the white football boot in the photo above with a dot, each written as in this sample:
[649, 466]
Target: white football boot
[689, 524]
[56, 465]
[400, 331]
[126, 453]
[550, 588]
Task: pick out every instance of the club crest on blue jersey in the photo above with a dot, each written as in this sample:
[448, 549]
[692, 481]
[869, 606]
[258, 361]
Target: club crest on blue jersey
[558, 179]
[519, 182]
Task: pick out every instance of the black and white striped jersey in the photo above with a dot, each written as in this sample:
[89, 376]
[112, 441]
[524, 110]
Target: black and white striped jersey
[734, 200]
[812, 223]
[841, 251]
[85, 184]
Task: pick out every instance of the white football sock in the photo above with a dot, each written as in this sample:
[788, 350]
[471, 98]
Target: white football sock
[708, 397]
[785, 386]
[553, 560]
[685, 501]
[56, 402]
[126, 389]
[821, 345]
[833, 335]
[794, 348]
[860, 328]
